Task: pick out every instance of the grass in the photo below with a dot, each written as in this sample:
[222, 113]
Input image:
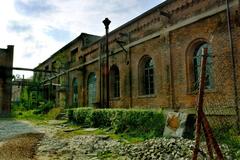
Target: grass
[77, 130]
[230, 137]
[227, 135]
[28, 115]
[31, 115]
[54, 112]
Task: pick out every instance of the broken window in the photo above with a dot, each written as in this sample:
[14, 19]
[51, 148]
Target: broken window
[197, 66]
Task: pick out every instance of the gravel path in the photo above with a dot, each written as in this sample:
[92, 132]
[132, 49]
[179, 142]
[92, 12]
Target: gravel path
[102, 147]
[20, 140]
[11, 128]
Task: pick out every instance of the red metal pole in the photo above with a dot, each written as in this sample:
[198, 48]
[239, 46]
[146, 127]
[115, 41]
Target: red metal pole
[212, 140]
[209, 142]
[200, 103]
[201, 118]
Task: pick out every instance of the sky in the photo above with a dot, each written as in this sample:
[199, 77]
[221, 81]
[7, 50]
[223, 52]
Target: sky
[39, 28]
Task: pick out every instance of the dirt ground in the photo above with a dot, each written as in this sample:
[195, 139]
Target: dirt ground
[20, 147]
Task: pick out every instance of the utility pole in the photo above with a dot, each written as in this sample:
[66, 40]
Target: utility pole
[106, 23]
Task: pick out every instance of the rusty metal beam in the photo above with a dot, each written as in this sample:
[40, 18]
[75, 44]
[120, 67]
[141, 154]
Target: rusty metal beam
[208, 140]
[34, 70]
[201, 118]
[212, 140]
[26, 69]
[200, 103]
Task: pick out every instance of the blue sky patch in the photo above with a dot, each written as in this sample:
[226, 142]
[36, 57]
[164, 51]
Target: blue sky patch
[27, 55]
[33, 7]
[60, 35]
[18, 26]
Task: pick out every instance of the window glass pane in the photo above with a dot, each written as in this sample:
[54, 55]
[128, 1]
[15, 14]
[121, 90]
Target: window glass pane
[148, 77]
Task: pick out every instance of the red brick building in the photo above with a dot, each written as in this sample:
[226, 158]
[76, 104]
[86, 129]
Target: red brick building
[6, 63]
[154, 59]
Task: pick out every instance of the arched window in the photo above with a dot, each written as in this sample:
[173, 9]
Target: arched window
[91, 88]
[146, 76]
[197, 66]
[75, 91]
[114, 82]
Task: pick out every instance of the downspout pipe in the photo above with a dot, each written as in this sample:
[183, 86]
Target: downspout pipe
[100, 76]
[130, 72]
[172, 88]
[233, 65]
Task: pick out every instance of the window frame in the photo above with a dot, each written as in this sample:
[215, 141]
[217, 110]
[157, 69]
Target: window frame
[191, 52]
[146, 76]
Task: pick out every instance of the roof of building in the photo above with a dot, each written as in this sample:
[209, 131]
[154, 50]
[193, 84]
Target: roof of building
[161, 5]
[82, 35]
[98, 38]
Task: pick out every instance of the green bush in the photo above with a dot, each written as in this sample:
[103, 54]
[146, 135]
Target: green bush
[18, 107]
[101, 118]
[139, 122]
[82, 116]
[228, 134]
[54, 112]
[133, 121]
[44, 108]
[70, 115]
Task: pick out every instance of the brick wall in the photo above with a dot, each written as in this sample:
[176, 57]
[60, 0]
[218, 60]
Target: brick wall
[171, 45]
[6, 62]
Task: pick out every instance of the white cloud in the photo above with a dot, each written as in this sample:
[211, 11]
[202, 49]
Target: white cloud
[33, 26]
